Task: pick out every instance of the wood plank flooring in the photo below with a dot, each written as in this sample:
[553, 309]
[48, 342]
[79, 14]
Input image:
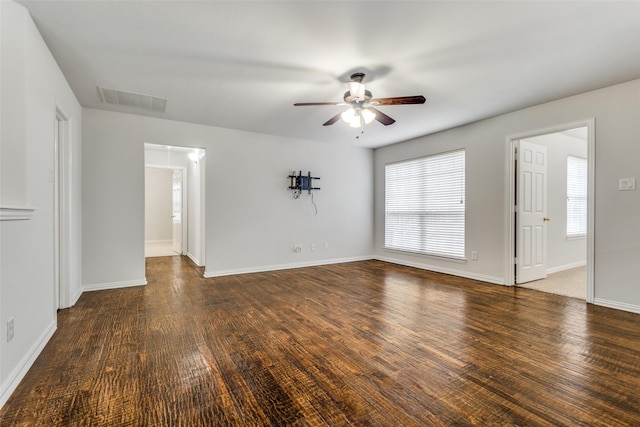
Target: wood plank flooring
[366, 343]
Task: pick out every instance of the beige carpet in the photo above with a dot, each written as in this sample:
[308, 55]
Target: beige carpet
[571, 283]
[163, 248]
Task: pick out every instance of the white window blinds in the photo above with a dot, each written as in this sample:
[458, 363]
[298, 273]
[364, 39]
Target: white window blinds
[424, 205]
[576, 196]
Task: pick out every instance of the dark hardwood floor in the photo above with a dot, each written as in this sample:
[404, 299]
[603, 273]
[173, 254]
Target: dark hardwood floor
[366, 343]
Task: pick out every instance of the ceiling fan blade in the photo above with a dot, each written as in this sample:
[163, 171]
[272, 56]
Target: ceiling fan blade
[332, 120]
[382, 117]
[304, 104]
[399, 100]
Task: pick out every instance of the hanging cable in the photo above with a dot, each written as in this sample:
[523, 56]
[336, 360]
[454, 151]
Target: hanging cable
[315, 207]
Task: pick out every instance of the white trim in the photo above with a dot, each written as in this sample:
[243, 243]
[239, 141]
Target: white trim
[591, 209]
[576, 237]
[209, 274]
[455, 260]
[509, 212]
[617, 305]
[509, 195]
[453, 272]
[157, 242]
[63, 209]
[566, 267]
[13, 379]
[74, 298]
[14, 214]
[194, 259]
[450, 271]
[113, 285]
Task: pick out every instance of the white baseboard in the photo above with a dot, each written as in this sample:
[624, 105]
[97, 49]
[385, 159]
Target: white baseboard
[264, 268]
[13, 379]
[113, 285]
[453, 272]
[566, 267]
[194, 259]
[438, 269]
[617, 305]
[75, 298]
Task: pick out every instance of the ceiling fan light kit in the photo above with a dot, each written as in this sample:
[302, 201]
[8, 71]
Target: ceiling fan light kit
[362, 104]
[355, 116]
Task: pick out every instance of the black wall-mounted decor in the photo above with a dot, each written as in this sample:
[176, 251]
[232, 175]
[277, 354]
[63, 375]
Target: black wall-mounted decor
[299, 183]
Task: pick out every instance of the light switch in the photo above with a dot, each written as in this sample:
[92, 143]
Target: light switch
[626, 184]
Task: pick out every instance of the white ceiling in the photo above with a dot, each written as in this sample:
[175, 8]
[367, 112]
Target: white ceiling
[242, 64]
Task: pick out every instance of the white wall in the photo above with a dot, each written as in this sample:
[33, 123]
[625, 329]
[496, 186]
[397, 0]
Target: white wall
[32, 88]
[562, 253]
[617, 230]
[158, 204]
[252, 222]
[161, 156]
[13, 174]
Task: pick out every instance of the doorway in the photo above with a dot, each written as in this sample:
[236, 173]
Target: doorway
[550, 227]
[163, 211]
[174, 225]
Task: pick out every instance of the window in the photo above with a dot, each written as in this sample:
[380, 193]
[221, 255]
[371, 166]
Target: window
[576, 196]
[424, 205]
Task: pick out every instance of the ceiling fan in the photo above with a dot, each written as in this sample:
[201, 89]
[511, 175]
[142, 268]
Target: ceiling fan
[362, 106]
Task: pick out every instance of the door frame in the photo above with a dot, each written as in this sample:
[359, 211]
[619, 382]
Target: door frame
[184, 232]
[61, 180]
[149, 147]
[184, 203]
[509, 210]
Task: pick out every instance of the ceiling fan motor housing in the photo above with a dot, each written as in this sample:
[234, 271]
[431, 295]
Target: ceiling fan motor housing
[357, 77]
[350, 99]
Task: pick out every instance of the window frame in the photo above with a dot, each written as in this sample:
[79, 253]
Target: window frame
[582, 218]
[435, 198]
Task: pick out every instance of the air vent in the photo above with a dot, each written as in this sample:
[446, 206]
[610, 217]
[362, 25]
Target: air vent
[134, 100]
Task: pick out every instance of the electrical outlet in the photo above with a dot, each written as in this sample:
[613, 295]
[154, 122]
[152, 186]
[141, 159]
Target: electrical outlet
[9, 329]
[297, 248]
[474, 255]
[313, 246]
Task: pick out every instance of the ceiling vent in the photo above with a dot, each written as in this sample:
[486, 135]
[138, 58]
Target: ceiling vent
[134, 100]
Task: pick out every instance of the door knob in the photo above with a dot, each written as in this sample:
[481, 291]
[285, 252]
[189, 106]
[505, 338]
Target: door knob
[546, 218]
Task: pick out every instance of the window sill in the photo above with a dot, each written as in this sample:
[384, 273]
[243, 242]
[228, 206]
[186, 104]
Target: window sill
[430, 256]
[577, 237]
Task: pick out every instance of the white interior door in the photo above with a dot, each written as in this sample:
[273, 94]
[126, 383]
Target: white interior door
[531, 219]
[177, 211]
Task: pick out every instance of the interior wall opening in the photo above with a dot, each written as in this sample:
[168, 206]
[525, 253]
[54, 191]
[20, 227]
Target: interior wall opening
[174, 202]
[60, 178]
[551, 210]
